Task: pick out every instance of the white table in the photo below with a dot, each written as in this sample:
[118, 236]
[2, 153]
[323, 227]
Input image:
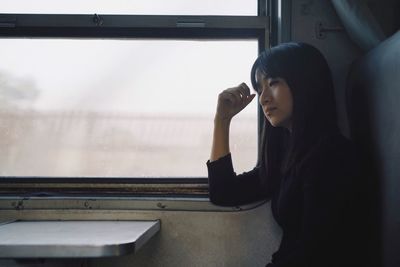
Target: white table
[73, 239]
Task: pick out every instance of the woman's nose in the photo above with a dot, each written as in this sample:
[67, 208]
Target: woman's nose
[265, 96]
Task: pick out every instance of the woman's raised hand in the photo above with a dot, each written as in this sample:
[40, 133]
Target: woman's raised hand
[230, 102]
[233, 100]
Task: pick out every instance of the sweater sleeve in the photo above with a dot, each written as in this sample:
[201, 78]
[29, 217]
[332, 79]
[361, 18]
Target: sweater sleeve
[325, 233]
[228, 189]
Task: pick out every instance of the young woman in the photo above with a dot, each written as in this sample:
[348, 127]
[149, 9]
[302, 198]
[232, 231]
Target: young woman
[306, 167]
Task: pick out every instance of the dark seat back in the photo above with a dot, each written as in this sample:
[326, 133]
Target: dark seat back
[373, 105]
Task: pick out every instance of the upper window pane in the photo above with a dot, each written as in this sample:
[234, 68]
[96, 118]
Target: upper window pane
[119, 108]
[132, 7]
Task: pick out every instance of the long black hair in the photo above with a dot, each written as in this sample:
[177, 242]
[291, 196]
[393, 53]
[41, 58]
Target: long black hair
[309, 78]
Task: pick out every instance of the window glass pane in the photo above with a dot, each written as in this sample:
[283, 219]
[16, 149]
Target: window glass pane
[142, 7]
[119, 108]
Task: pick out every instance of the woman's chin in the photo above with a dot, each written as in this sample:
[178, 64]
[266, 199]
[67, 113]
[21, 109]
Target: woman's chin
[273, 122]
[279, 123]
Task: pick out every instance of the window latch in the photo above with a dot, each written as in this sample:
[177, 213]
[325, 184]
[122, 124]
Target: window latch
[98, 20]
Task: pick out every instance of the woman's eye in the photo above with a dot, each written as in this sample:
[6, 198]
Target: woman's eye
[272, 83]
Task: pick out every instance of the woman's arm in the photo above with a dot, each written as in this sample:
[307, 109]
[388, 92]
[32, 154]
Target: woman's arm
[228, 189]
[230, 102]
[220, 143]
[225, 187]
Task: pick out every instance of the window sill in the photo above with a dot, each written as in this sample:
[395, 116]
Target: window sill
[21, 203]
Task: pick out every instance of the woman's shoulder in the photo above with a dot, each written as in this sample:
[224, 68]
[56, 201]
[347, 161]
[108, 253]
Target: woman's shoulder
[333, 153]
[333, 145]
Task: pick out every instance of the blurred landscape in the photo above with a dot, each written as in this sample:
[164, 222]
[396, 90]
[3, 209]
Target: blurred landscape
[89, 144]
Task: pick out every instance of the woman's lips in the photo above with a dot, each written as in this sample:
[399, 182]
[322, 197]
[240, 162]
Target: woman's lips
[269, 111]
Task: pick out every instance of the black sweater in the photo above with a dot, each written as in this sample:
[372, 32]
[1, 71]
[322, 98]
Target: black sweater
[316, 205]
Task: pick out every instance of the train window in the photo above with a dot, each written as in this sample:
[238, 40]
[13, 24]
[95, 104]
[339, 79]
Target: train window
[119, 108]
[137, 7]
[121, 101]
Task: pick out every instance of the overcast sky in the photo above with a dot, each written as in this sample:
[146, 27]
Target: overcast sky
[128, 75]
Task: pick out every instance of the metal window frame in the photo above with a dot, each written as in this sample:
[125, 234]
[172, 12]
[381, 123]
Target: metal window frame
[135, 27]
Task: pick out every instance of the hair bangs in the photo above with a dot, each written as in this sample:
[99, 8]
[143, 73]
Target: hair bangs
[270, 65]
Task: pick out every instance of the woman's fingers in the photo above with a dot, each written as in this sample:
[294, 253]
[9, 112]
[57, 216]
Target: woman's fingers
[249, 99]
[235, 92]
[233, 100]
[244, 89]
[230, 97]
[241, 93]
[246, 97]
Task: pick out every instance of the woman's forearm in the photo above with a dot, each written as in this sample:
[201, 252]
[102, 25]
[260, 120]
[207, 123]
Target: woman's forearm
[220, 144]
[230, 102]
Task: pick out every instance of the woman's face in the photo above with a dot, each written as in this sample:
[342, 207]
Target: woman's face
[276, 100]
